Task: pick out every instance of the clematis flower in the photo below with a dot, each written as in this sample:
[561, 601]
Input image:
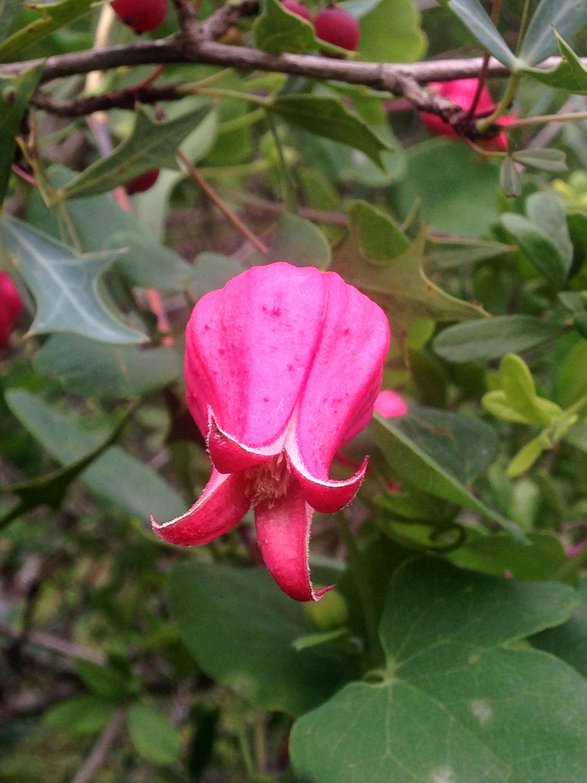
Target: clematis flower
[10, 307]
[282, 366]
[461, 92]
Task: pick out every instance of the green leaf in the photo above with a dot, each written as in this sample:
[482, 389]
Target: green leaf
[106, 682]
[150, 145]
[379, 237]
[570, 382]
[93, 369]
[510, 180]
[66, 286]
[8, 14]
[116, 476]
[484, 340]
[455, 252]
[518, 386]
[53, 16]
[547, 211]
[300, 241]
[391, 32]
[569, 641]
[566, 17]
[83, 715]
[454, 704]
[15, 94]
[538, 246]
[240, 628]
[569, 75]
[155, 738]
[440, 453]
[276, 30]
[401, 282]
[545, 159]
[526, 457]
[576, 303]
[474, 17]
[329, 117]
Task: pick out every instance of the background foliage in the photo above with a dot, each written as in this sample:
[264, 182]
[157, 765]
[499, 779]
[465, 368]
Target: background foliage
[454, 647]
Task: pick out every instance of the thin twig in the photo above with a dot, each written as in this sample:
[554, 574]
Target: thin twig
[101, 748]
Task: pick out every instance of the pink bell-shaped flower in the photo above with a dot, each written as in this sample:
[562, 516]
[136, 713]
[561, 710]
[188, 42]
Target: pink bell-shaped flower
[10, 307]
[283, 366]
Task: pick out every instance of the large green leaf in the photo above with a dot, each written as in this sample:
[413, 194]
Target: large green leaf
[440, 453]
[15, 94]
[116, 476]
[454, 703]
[329, 117]
[391, 32]
[93, 369]
[378, 264]
[240, 628]
[66, 286]
[52, 17]
[487, 339]
[472, 14]
[565, 17]
[299, 241]
[569, 75]
[150, 145]
[569, 641]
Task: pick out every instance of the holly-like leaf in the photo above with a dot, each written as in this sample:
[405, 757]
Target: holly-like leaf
[456, 701]
[15, 94]
[52, 17]
[150, 145]
[566, 17]
[569, 75]
[277, 30]
[66, 287]
[326, 116]
[400, 281]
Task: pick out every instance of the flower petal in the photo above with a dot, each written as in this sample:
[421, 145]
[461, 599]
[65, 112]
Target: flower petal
[220, 507]
[283, 533]
[228, 455]
[345, 377]
[249, 348]
[328, 495]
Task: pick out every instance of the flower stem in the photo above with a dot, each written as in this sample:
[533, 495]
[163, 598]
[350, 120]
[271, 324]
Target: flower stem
[375, 651]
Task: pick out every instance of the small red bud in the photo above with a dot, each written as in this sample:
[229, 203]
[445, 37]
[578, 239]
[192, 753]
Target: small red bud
[141, 15]
[338, 27]
[142, 182]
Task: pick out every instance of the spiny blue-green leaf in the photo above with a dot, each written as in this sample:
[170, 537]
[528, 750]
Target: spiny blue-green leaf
[473, 16]
[563, 17]
[66, 287]
[569, 75]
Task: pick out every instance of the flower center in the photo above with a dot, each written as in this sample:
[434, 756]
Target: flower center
[268, 482]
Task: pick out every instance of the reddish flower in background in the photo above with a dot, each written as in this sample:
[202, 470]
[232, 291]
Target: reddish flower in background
[10, 307]
[283, 366]
[390, 404]
[462, 92]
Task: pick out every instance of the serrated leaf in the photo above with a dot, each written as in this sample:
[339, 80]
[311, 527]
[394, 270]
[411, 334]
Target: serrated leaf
[455, 252]
[91, 369]
[487, 339]
[15, 94]
[150, 145]
[240, 628]
[567, 17]
[440, 453]
[546, 159]
[277, 30]
[569, 75]
[66, 287]
[52, 17]
[329, 117]
[155, 738]
[453, 703]
[401, 283]
[473, 16]
[116, 476]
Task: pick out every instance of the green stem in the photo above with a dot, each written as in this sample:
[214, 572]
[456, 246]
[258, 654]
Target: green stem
[503, 105]
[289, 191]
[375, 651]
